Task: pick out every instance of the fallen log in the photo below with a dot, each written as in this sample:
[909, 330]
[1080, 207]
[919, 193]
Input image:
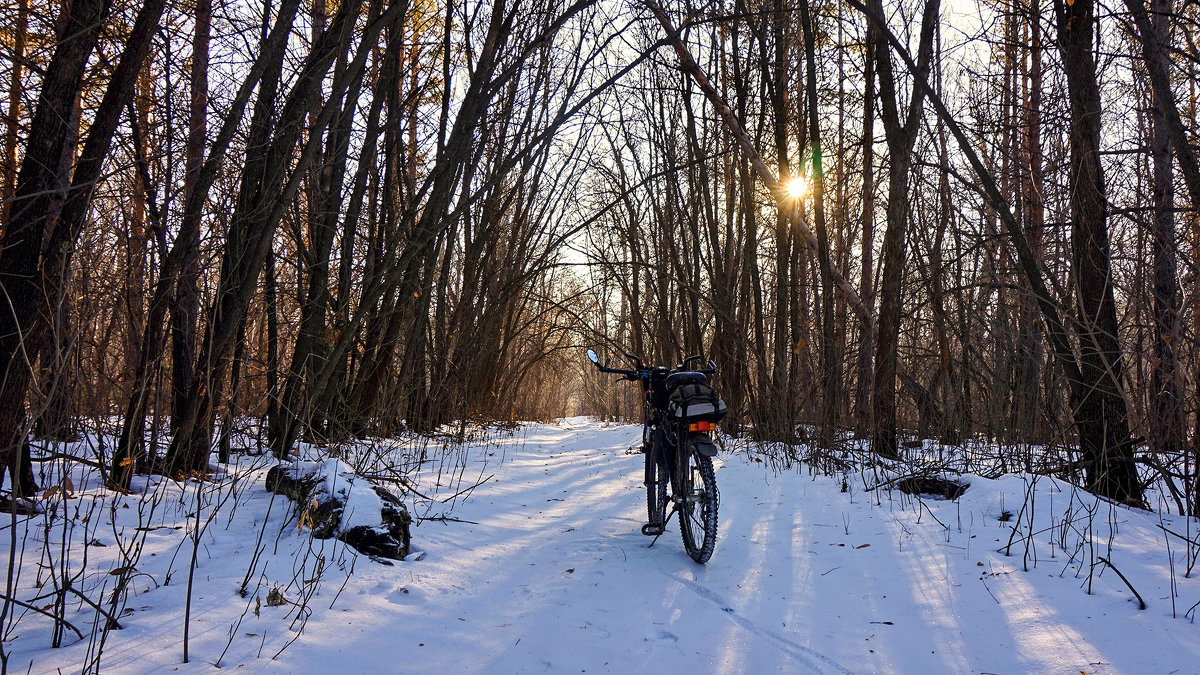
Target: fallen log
[335, 502]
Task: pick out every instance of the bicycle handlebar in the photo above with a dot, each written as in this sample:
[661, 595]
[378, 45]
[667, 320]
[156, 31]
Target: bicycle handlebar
[641, 371]
[618, 371]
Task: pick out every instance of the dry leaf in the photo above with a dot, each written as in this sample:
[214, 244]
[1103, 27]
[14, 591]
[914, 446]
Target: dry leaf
[275, 598]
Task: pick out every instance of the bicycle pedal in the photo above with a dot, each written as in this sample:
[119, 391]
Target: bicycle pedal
[653, 530]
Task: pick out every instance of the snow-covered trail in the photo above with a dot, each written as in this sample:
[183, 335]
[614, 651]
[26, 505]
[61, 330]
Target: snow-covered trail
[556, 577]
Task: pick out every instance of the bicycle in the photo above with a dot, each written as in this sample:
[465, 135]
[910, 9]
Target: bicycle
[680, 412]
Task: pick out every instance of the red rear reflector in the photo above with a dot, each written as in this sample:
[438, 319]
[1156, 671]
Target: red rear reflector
[701, 426]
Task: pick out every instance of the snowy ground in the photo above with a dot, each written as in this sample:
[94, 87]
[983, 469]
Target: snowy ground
[551, 574]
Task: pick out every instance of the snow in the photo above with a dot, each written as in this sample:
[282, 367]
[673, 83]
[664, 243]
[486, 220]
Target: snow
[542, 568]
[361, 503]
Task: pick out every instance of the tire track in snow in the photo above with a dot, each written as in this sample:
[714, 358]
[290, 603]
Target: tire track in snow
[812, 660]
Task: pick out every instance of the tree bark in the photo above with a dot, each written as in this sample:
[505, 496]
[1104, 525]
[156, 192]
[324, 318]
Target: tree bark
[1029, 399]
[779, 405]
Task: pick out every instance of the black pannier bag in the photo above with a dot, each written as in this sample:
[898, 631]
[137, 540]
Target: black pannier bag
[694, 402]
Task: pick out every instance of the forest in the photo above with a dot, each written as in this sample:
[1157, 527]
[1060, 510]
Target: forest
[957, 236]
[310, 222]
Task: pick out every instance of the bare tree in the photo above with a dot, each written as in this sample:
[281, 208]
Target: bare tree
[901, 136]
[1101, 416]
[39, 237]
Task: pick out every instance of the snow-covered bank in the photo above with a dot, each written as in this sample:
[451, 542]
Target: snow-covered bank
[542, 568]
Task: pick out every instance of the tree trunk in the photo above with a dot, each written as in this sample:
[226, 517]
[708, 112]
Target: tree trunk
[1101, 418]
[271, 299]
[1167, 435]
[29, 220]
[901, 136]
[866, 341]
[779, 405]
[185, 310]
[55, 419]
[50, 402]
[1030, 346]
[830, 365]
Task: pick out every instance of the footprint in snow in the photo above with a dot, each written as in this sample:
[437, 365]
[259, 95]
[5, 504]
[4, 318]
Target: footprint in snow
[660, 634]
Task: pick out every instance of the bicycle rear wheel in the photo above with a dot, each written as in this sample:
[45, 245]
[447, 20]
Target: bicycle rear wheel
[698, 508]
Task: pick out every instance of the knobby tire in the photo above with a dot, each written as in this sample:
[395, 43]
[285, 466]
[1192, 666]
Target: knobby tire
[656, 486]
[698, 510]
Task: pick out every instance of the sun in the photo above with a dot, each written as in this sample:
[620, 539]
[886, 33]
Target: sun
[797, 188]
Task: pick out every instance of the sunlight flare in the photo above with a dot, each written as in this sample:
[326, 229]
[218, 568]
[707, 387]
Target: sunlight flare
[797, 188]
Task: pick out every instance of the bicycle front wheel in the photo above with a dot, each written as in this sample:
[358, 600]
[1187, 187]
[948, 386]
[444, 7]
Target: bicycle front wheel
[698, 508]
